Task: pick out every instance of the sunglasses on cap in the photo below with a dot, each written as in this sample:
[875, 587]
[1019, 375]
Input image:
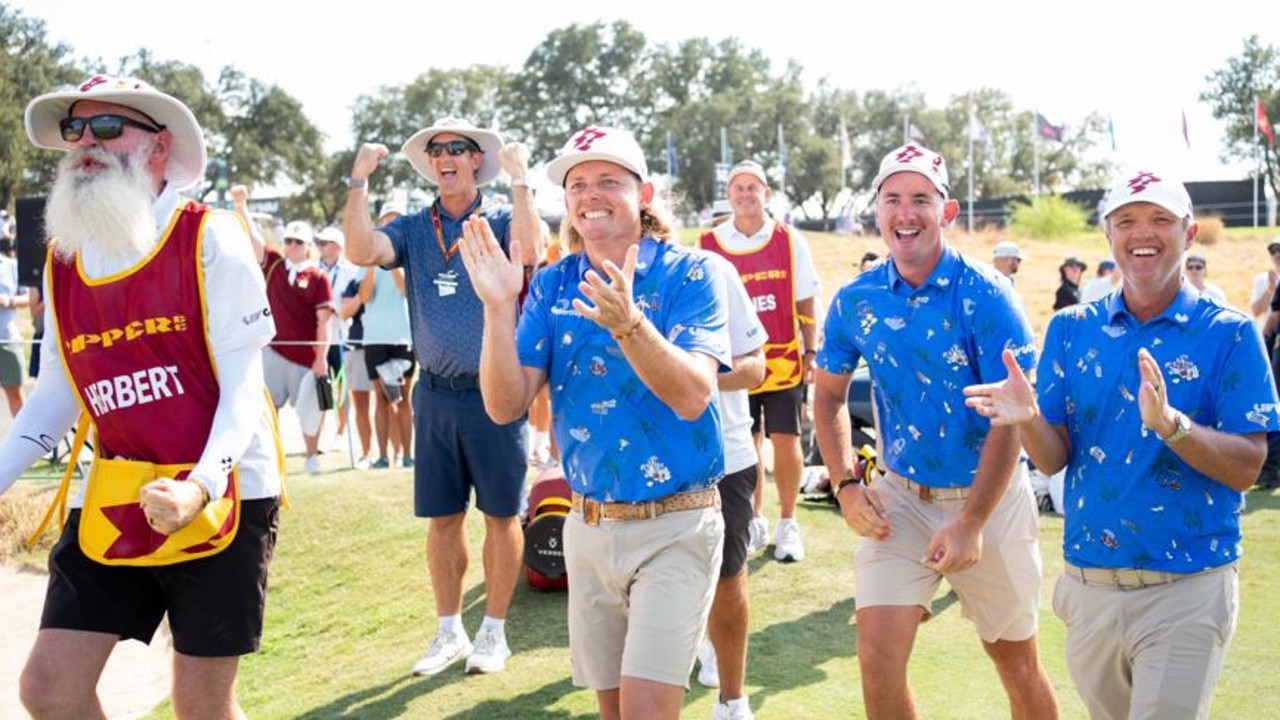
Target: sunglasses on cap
[104, 127]
[453, 147]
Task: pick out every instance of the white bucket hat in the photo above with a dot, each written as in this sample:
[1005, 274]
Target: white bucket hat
[915, 158]
[599, 143]
[1149, 187]
[186, 155]
[490, 142]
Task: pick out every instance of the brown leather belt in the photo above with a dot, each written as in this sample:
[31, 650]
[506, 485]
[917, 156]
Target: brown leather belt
[593, 511]
[1131, 578]
[927, 493]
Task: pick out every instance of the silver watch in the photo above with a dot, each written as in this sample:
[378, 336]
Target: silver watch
[1181, 428]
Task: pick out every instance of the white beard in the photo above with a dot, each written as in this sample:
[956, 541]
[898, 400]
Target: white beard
[109, 209]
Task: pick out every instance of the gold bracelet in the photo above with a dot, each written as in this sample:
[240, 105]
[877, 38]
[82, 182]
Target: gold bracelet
[631, 330]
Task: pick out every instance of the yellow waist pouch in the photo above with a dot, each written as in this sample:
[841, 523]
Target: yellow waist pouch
[114, 530]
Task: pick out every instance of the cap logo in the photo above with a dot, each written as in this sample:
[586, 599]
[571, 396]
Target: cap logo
[93, 82]
[585, 138]
[908, 154]
[1140, 182]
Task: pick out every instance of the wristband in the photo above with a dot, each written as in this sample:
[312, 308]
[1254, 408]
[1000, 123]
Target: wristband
[850, 480]
[521, 181]
[204, 491]
[631, 330]
[357, 183]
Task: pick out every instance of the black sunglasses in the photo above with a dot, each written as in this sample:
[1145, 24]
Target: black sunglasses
[104, 127]
[1194, 266]
[453, 147]
[294, 241]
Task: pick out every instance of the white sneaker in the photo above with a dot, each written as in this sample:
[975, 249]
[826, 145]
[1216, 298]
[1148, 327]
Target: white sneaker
[787, 546]
[445, 649]
[709, 672]
[362, 463]
[736, 711]
[490, 654]
[312, 464]
[757, 534]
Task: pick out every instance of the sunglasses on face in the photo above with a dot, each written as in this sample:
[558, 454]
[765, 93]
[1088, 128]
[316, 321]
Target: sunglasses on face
[1195, 266]
[104, 127]
[453, 147]
[294, 241]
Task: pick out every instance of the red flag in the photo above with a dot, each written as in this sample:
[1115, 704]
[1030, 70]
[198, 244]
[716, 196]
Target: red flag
[1263, 123]
[1047, 130]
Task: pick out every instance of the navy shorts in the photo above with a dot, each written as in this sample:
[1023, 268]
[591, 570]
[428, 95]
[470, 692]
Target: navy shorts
[736, 491]
[215, 604]
[780, 410]
[457, 448]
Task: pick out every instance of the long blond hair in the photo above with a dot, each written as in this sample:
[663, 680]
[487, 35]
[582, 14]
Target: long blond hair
[655, 221]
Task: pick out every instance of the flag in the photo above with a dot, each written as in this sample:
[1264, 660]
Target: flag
[978, 132]
[782, 150]
[846, 149]
[1111, 130]
[1262, 123]
[1185, 136]
[673, 162]
[913, 134]
[1047, 130]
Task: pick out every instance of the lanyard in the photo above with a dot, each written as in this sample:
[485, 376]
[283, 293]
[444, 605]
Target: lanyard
[439, 228]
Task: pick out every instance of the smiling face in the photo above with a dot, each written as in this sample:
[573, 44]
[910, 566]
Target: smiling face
[910, 213]
[1148, 243]
[603, 201]
[455, 174]
[748, 197]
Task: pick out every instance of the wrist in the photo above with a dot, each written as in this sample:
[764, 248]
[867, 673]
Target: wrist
[357, 183]
[631, 329]
[200, 484]
[521, 180]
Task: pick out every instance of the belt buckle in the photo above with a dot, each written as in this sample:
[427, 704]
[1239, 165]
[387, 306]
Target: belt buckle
[925, 493]
[1120, 583]
[591, 512]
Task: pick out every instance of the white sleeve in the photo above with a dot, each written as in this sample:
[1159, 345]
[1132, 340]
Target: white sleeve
[807, 284]
[235, 420]
[43, 421]
[235, 293]
[1260, 285]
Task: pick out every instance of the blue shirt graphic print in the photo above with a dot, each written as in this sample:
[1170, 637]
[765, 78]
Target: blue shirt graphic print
[1131, 502]
[618, 440]
[923, 346]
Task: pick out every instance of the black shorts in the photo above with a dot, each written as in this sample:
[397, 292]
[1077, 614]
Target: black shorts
[736, 491]
[215, 604]
[375, 355]
[780, 410]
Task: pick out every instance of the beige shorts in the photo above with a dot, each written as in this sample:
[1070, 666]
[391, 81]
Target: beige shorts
[1153, 652]
[639, 595]
[291, 383]
[1000, 594]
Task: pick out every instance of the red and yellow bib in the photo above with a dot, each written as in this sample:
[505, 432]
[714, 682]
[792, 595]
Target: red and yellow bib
[136, 350]
[770, 281]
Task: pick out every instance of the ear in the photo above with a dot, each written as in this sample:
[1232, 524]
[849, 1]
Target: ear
[1193, 229]
[646, 194]
[768, 194]
[950, 209]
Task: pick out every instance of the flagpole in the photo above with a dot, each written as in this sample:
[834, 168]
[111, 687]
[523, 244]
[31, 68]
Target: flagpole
[972, 118]
[1257, 157]
[905, 122]
[724, 146]
[1035, 155]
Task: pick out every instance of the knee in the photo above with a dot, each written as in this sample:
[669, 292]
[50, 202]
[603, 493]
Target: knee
[42, 695]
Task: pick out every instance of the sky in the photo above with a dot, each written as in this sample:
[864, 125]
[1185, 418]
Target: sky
[1139, 62]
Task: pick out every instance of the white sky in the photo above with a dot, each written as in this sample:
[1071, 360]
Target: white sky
[1064, 58]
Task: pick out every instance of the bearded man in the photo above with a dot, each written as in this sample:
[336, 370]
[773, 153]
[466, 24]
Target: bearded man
[179, 513]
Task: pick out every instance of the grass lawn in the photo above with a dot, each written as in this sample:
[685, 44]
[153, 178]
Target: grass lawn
[350, 611]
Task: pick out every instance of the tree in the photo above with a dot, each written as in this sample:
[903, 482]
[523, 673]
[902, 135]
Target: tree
[582, 75]
[1252, 76]
[29, 66]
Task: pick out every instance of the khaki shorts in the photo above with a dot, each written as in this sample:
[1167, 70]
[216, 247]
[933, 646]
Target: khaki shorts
[639, 595]
[1000, 594]
[1153, 652]
[11, 365]
[291, 383]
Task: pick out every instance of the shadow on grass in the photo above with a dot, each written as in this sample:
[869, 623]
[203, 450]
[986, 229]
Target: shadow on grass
[1256, 500]
[536, 703]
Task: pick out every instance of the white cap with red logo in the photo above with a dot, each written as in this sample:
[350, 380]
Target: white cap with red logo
[915, 158]
[599, 143]
[1149, 187]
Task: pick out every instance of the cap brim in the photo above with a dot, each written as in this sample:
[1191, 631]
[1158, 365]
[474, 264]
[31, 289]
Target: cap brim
[187, 157]
[559, 168]
[415, 148]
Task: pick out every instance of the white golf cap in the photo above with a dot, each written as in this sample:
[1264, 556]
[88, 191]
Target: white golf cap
[332, 234]
[1149, 187]
[599, 143]
[915, 158]
[1006, 249]
[187, 158]
[299, 230]
[748, 167]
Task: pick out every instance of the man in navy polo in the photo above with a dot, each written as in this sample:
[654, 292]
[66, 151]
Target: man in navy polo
[457, 448]
[1157, 402]
[928, 322]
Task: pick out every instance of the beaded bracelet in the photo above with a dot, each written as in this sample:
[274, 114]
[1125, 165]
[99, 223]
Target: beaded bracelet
[631, 330]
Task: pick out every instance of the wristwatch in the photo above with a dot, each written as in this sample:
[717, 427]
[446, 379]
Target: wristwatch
[1181, 428]
[357, 183]
[520, 181]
